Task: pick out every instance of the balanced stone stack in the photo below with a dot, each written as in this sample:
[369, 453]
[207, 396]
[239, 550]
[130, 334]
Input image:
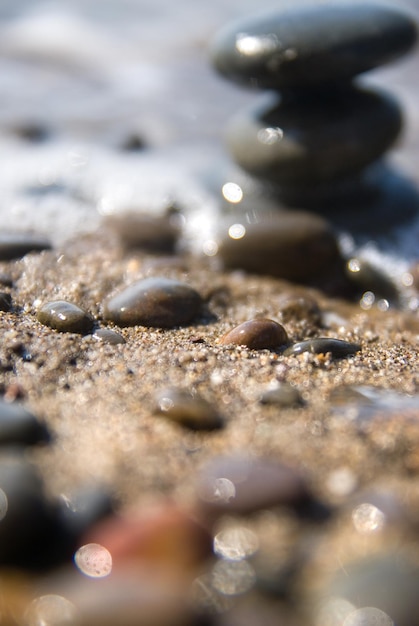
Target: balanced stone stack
[318, 131]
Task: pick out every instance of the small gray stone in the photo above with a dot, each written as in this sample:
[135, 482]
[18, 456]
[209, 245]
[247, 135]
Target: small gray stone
[65, 317]
[188, 409]
[16, 245]
[323, 345]
[155, 302]
[314, 139]
[106, 335]
[310, 45]
[19, 426]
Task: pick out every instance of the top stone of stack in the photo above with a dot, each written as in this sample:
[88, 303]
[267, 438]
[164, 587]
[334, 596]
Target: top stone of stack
[310, 45]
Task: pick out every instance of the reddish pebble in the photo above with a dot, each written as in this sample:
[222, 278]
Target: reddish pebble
[257, 334]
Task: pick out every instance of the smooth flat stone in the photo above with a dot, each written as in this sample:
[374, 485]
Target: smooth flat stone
[312, 140]
[304, 46]
[16, 245]
[106, 335]
[189, 410]
[65, 317]
[323, 345]
[292, 245]
[256, 334]
[19, 426]
[155, 302]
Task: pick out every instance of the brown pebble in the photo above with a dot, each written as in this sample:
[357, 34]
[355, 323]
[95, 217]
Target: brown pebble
[256, 334]
[187, 409]
[65, 317]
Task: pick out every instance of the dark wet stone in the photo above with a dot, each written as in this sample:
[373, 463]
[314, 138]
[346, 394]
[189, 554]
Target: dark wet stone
[19, 426]
[5, 301]
[323, 345]
[242, 485]
[16, 245]
[293, 245]
[284, 396]
[153, 233]
[257, 334]
[156, 302]
[106, 335]
[311, 45]
[315, 139]
[65, 317]
[188, 409]
[366, 277]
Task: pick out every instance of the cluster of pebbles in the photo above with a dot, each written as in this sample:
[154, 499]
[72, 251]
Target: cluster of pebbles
[182, 444]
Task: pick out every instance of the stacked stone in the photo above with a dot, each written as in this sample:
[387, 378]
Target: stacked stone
[319, 131]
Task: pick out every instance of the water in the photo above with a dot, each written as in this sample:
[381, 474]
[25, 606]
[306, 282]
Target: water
[94, 73]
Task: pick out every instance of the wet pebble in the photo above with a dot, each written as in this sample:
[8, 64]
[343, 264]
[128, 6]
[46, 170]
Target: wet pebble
[316, 139]
[5, 302]
[284, 396]
[323, 345]
[241, 485]
[257, 334]
[310, 45]
[16, 245]
[139, 230]
[366, 277]
[19, 426]
[188, 409]
[65, 317]
[156, 302]
[106, 335]
[293, 245]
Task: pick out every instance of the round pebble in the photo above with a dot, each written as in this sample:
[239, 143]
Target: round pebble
[294, 142]
[188, 410]
[256, 334]
[310, 45]
[16, 245]
[106, 335]
[65, 317]
[323, 345]
[155, 302]
[19, 426]
[284, 396]
[5, 302]
[293, 245]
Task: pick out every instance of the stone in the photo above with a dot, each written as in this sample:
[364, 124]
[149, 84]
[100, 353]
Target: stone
[239, 485]
[147, 232]
[155, 302]
[366, 277]
[323, 345]
[316, 139]
[106, 335]
[65, 317]
[257, 334]
[284, 396]
[293, 245]
[19, 426]
[16, 245]
[188, 409]
[5, 302]
[304, 46]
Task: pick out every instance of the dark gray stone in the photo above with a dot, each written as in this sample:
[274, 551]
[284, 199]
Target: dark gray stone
[65, 317]
[106, 335]
[5, 301]
[310, 45]
[155, 302]
[16, 245]
[323, 345]
[19, 426]
[315, 139]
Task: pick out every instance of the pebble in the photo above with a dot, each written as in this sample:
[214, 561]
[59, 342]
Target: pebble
[293, 245]
[311, 45]
[106, 335]
[156, 302]
[366, 277]
[284, 396]
[188, 409]
[297, 142]
[241, 485]
[5, 302]
[16, 245]
[256, 334]
[148, 232]
[19, 426]
[65, 317]
[324, 345]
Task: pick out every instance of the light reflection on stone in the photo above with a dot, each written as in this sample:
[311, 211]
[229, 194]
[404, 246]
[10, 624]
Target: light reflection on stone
[210, 247]
[50, 610]
[233, 578]
[232, 193]
[271, 135]
[4, 504]
[237, 231]
[251, 45]
[367, 300]
[368, 616]
[235, 543]
[368, 519]
[93, 560]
